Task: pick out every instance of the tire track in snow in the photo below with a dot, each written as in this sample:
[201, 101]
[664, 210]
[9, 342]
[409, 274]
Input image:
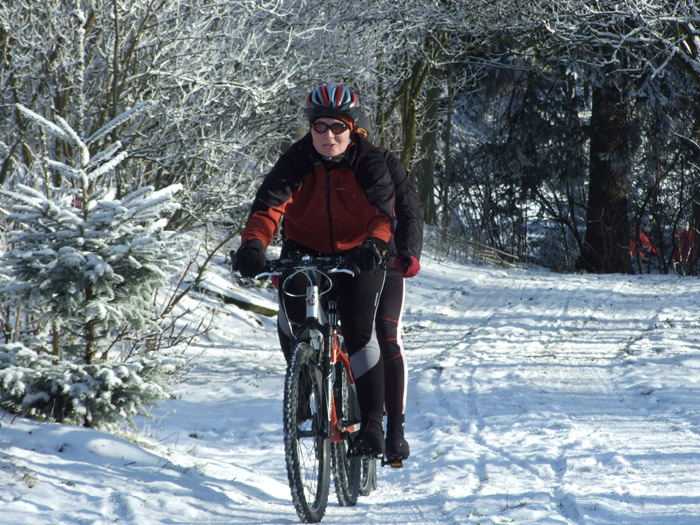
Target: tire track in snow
[466, 434]
[518, 398]
[443, 363]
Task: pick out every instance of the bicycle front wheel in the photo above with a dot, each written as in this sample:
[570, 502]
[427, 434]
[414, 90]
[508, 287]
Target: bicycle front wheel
[307, 452]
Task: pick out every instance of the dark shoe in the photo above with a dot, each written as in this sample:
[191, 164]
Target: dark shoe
[397, 448]
[369, 441]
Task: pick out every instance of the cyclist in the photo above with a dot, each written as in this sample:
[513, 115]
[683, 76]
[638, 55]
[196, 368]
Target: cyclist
[335, 193]
[407, 244]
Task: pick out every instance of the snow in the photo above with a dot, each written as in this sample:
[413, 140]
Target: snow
[534, 397]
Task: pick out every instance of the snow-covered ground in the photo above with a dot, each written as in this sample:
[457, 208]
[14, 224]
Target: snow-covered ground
[534, 397]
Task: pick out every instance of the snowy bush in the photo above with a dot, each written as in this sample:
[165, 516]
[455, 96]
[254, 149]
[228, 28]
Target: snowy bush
[35, 385]
[79, 287]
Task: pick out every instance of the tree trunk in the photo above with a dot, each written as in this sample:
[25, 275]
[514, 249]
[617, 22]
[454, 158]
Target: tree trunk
[606, 243]
[409, 93]
[447, 141]
[695, 229]
[428, 149]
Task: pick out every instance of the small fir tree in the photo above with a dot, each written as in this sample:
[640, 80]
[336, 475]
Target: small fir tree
[80, 274]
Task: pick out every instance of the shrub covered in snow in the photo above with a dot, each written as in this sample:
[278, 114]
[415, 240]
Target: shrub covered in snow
[78, 287]
[100, 394]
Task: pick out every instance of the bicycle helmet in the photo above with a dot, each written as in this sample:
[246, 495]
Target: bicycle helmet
[332, 100]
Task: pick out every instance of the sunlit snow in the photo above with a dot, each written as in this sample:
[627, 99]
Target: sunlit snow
[534, 397]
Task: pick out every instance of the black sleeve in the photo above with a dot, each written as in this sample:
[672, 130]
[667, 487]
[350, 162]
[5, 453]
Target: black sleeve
[374, 178]
[408, 207]
[284, 178]
[275, 191]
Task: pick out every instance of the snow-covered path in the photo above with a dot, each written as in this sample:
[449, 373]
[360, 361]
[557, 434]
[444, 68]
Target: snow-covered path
[534, 398]
[561, 399]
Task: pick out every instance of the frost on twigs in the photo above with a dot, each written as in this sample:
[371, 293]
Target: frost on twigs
[87, 336]
[101, 394]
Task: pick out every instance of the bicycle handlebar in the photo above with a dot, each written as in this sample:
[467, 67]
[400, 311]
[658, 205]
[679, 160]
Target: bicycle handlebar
[295, 261]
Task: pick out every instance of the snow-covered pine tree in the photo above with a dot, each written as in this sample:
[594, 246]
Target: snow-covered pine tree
[80, 275]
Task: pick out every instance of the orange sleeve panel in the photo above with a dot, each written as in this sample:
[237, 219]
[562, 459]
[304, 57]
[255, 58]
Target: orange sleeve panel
[380, 228]
[262, 225]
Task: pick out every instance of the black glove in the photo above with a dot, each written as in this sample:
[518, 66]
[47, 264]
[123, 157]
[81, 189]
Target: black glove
[250, 258]
[367, 257]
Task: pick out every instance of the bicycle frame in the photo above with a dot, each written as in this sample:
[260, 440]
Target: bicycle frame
[321, 330]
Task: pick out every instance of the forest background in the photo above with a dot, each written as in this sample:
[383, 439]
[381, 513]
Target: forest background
[550, 132]
[541, 130]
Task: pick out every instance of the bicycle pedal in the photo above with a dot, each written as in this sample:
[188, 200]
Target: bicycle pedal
[393, 463]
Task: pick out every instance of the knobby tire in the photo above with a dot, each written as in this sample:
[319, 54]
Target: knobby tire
[347, 471]
[368, 480]
[307, 453]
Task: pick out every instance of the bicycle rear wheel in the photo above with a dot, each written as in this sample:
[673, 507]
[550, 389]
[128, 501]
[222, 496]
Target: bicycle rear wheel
[347, 471]
[368, 481]
[307, 452]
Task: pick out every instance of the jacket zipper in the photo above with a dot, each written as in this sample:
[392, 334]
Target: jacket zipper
[328, 208]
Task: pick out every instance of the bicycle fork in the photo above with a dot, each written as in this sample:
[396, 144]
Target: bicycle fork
[321, 341]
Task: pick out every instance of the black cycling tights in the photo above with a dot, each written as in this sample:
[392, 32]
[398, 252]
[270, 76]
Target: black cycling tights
[389, 337]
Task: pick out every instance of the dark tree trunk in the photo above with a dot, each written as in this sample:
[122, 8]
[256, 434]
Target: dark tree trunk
[428, 148]
[606, 243]
[695, 229]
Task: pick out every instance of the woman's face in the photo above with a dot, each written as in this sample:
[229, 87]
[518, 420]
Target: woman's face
[327, 143]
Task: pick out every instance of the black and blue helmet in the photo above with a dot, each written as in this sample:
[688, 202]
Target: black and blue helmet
[332, 100]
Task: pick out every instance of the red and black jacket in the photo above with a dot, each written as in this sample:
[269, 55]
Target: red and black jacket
[327, 206]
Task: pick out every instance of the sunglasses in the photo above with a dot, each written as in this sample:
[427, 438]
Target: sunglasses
[337, 127]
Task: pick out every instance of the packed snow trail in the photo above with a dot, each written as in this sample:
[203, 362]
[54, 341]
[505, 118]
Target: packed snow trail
[539, 402]
[533, 397]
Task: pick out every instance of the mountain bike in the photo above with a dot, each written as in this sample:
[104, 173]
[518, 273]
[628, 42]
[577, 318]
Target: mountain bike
[321, 412]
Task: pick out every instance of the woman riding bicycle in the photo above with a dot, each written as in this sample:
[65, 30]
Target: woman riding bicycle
[336, 195]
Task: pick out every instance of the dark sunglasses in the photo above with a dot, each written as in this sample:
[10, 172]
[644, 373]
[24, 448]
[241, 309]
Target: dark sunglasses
[337, 127]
